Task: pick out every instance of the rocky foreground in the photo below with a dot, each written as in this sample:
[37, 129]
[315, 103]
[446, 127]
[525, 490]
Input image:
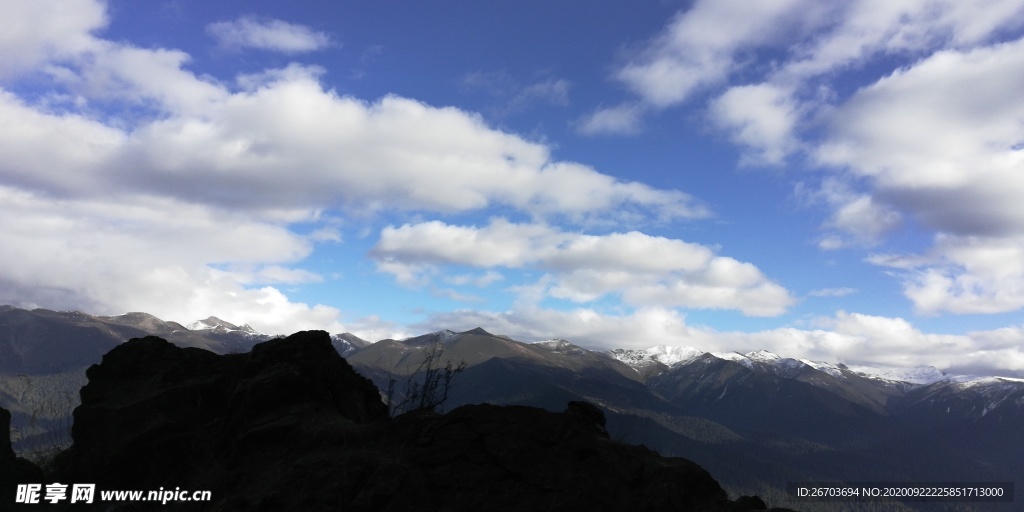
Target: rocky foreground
[290, 426]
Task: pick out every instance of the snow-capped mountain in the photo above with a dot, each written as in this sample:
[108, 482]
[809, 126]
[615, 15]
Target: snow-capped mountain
[765, 360]
[443, 337]
[666, 355]
[347, 343]
[216, 324]
[919, 375]
[561, 346]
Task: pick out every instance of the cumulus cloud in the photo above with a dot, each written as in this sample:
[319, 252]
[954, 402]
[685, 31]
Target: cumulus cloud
[705, 45]
[859, 30]
[905, 345]
[857, 218]
[937, 141]
[243, 148]
[33, 33]
[761, 117]
[644, 270]
[274, 35]
[155, 255]
[963, 274]
[183, 202]
[699, 47]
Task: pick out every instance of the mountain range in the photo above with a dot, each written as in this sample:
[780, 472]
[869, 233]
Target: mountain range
[755, 421]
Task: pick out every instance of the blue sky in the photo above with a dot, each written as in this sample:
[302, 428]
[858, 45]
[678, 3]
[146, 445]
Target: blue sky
[837, 181]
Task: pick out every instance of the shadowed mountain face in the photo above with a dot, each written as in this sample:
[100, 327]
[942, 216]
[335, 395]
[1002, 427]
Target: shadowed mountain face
[44, 355]
[756, 424]
[290, 426]
[42, 341]
[12, 469]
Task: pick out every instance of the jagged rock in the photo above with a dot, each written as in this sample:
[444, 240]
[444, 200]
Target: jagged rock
[149, 402]
[13, 470]
[290, 426]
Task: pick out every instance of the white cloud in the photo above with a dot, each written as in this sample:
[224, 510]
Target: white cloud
[937, 142]
[868, 28]
[938, 139]
[502, 243]
[761, 117]
[646, 271]
[373, 328]
[275, 35]
[152, 78]
[699, 47]
[857, 219]
[620, 120]
[831, 243]
[898, 343]
[963, 275]
[705, 45]
[395, 152]
[154, 255]
[33, 32]
[861, 216]
[184, 210]
[480, 281]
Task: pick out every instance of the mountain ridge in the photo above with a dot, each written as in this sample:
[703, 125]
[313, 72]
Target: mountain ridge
[290, 425]
[742, 416]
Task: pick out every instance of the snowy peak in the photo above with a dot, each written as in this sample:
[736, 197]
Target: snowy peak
[671, 356]
[216, 324]
[972, 381]
[835, 370]
[666, 355]
[560, 346]
[210, 323]
[443, 337]
[919, 375]
[763, 356]
[735, 357]
[763, 360]
[768, 361]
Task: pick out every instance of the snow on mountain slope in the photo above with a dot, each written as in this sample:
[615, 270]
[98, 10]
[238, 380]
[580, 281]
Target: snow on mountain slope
[666, 355]
[561, 346]
[919, 375]
[829, 368]
[214, 323]
[766, 360]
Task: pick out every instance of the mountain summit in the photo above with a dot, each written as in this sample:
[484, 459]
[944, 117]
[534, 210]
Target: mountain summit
[216, 324]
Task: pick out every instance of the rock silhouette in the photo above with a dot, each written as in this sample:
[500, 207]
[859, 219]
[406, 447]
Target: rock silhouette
[12, 469]
[290, 426]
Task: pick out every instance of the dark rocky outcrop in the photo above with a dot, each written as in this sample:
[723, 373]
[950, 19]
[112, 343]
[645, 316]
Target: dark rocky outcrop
[13, 470]
[290, 426]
